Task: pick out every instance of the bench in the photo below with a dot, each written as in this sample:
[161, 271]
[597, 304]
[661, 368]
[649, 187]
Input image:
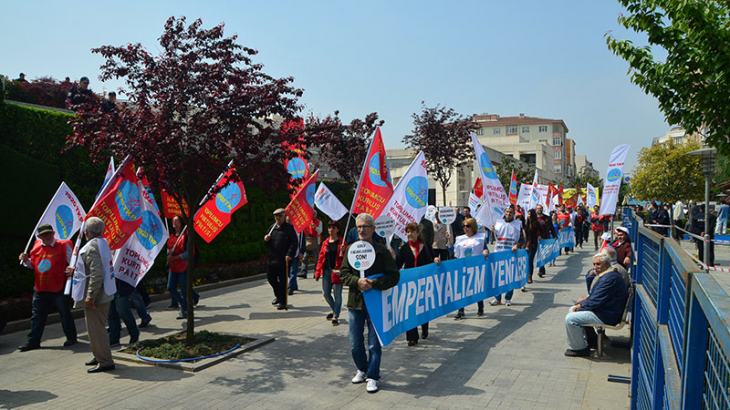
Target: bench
[601, 329]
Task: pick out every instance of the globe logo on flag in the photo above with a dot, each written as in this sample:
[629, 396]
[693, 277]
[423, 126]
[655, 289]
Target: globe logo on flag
[311, 189]
[150, 230]
[467, 252]
[64, 221]
[417, 192]
[228, 198]
[296, 168]
[44, 266]
[613, 175]
[487, 166]
[374, 171]
[357, 265]
[128, 201]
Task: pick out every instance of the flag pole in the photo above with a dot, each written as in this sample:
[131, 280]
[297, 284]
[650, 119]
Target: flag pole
[32, 235]
[212, 187]
[357, 189]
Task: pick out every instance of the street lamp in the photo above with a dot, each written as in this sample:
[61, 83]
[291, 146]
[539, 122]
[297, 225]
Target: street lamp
[707, 159]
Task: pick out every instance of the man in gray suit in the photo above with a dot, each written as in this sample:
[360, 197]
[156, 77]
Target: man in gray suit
[96, 301]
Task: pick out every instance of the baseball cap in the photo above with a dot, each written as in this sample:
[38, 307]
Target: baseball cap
[45, 228]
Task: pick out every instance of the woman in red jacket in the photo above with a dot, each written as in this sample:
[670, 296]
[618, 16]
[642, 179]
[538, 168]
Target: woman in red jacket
[328, 269]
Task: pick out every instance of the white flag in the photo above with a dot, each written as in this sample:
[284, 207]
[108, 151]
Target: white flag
[109, 173]
[535, 194]
[591, 197]
[495, 197]
[136, 256]
[614, 175]
[64, 213]
[474, 203]
[328, 203]
[410, 197]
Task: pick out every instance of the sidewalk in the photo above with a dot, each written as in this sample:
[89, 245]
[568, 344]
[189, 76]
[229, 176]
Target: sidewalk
[510, 358]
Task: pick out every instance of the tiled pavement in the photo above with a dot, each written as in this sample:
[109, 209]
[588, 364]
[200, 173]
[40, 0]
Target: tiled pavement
[512, 358]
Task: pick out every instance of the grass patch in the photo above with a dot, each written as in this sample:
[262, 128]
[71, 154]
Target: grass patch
[174, 347]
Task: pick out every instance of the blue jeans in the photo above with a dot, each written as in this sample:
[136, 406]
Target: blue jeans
[371, 365]
[137, 301]
[175, 279]
[293, 272]
[327, 286]
[574, 322]
[120, 309]
[507, 296]
[42, 303]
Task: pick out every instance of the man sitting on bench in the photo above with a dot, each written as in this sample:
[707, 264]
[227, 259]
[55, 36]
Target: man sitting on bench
[604, 305]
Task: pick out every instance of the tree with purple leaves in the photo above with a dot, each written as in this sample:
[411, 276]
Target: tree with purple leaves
[443, 136]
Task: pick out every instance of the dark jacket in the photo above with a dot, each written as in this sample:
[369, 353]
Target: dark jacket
[457, 227]
[384, 264]
[283, 243]
[608, 298]
[405, 258]
[547, 229]
[426, 228]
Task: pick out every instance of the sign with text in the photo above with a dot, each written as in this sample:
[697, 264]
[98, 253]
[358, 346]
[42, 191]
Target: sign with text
[566, 238]
[361, 256]
[547, 251]
[447, 215]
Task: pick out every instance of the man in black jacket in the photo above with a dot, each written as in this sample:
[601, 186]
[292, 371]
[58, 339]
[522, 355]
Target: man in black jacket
[547, 231]
[281, 241]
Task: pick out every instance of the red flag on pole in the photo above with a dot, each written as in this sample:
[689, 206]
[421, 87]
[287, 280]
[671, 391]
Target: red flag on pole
[215, 214]
[478, 188]
[374, 188]
[513, 189]
[297, 167]
[301, 208]
[119, 206]
[171, 208]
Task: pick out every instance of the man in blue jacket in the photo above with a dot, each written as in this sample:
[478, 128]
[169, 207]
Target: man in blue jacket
[604, 305]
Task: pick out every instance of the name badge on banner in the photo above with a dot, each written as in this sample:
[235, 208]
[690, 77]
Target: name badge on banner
[428, 292]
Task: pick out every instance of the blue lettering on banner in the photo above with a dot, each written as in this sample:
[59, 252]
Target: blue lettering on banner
[547, 251]
[428, 292]
[566, 237]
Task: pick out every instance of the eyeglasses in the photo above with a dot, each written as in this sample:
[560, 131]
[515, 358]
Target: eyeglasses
[364, 226]
[467, 226]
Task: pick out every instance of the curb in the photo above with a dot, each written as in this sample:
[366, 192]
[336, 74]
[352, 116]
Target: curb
[24, 324]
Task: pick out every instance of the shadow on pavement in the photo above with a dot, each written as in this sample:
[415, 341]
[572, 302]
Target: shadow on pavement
[11, 399]
[147, 373]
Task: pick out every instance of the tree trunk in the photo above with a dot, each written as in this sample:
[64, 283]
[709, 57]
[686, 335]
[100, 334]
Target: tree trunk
[444, 184]
[190, 332]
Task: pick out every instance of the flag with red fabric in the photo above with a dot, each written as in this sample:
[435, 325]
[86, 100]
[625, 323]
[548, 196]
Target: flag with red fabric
[297, 167]
[119, 206]
[171, 208]
[374, 188]
[215, 214]
[513, 189]
[301, 208]
[478, 189]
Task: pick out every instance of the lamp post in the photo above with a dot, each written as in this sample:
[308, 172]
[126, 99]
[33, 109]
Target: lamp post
[707, 159]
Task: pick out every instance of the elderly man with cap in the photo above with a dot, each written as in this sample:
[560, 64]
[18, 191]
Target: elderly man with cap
[281, 242]
[98, 294]
[49, 258]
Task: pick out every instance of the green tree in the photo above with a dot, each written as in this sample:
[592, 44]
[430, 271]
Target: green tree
[692, 83]
[584, 178]
[523, 171]
[666, 173]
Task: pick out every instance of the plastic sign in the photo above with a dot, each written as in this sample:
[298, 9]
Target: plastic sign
[361, 256]
[447, 215]
[384, 226]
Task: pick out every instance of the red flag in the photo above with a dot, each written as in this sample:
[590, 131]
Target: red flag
[119, 206]
[560, 195]
[170, 207]
[374, 189]
[297, 167]
[215, 214]
[301, 208]
[478, 188]
[551, 193]
[513, 189]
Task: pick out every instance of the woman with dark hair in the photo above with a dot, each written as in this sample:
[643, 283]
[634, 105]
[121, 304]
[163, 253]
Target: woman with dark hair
[470, 244]
[328, 269]
[410, 255]
[532, 231]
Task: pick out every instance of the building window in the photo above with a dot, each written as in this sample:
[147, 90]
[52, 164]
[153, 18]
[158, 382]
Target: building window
[542, 128]
[530, 159]
[557, 169]
[480, 131]
[497, 131]
[558, 154]
[557, 128]
[557, 141]
[511, 130]
[525, 130]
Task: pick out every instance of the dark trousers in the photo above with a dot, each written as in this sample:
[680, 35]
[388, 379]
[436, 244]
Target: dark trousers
[579, 236]
[441, 253]
[277, 279]
[701, 250]
[42, 304]
[120, 310]
[412, 335]
[531, 252]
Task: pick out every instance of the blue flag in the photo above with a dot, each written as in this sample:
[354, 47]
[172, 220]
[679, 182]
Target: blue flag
[566, 237]
[547, 251]
[428, 292]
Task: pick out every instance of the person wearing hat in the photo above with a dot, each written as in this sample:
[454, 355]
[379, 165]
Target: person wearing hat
[281, 242]
[622, 245]
[48, 258]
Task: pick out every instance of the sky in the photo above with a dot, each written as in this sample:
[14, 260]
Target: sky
[542, 58]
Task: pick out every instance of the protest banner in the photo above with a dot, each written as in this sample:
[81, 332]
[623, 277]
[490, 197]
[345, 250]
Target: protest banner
[171, 208]
[410, 198]
[447, 215]
[110, 170]
[547, 251]
[495, 199]
[216, 210]
[566, 237]
[64, 213]
[592, 198]
[328, 203]
[300, 210]
[374, 187]
[614, 175]
[513, 189]
[431, 291]
[298, 166]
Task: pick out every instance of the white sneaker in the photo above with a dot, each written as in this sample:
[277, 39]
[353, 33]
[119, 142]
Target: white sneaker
[508, 303]
[372, 386]
[359, 377]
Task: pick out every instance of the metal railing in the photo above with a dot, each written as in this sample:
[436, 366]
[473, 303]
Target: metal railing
[681, 334]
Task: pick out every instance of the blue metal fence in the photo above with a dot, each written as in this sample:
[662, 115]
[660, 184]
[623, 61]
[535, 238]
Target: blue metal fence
[681, 334]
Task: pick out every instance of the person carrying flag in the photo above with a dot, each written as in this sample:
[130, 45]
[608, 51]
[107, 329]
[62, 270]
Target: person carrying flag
[281, 241]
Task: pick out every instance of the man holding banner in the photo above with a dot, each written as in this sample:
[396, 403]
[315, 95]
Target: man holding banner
[382, 275]
[49, 258]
